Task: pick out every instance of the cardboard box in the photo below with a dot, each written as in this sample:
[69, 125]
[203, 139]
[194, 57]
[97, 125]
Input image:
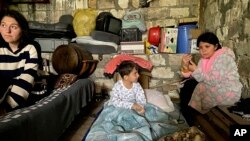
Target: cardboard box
[132, 47]
[194, 33]
[168, 40]
[193, 46]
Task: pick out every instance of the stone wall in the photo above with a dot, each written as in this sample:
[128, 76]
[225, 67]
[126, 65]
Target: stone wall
[230, 20]
[159, 13]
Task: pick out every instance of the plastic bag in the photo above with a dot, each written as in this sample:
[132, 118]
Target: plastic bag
[84, 21]
[157, 98]
[134, 19]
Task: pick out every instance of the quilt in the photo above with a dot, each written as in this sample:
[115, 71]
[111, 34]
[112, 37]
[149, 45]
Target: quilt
[119, 124]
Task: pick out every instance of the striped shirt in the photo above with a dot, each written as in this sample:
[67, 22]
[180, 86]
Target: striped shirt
[21, 68]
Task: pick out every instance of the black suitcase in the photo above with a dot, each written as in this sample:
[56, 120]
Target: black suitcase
[105, 21]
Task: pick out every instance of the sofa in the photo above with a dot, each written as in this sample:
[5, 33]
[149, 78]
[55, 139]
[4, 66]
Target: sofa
[48, 118]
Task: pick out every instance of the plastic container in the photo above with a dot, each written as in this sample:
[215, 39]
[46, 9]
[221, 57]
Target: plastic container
[183, 38]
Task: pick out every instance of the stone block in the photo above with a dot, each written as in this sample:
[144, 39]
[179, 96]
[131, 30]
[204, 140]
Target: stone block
[106, 4]
[162, 72]
[179, 12]
[158, 60]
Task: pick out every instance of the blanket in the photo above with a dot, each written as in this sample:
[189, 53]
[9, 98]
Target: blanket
[119, 124]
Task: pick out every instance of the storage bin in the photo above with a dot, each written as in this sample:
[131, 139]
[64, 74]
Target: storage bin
[183, 38]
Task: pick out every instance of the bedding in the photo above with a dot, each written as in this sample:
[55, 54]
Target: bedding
[119, 124]
[48, 118]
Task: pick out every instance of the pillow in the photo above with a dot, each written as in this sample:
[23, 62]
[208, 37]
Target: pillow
[158, 99]
[65, 80]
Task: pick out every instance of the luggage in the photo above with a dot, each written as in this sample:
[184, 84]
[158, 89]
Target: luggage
[105, 21]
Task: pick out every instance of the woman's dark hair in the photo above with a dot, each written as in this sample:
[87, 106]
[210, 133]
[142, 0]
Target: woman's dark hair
[24, 25]
[126, 67]
[210, 38]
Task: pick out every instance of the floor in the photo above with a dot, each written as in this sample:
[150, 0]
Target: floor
[82, 122]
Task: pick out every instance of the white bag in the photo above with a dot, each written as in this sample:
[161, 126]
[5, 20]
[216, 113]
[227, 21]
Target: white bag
[157, 98]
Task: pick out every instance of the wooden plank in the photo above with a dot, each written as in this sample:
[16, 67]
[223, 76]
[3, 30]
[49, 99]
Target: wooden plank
[223, 117]
[218, 122]
[236, 118]
[209, 130]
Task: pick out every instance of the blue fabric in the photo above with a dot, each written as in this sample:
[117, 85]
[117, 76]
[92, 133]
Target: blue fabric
[116, 124]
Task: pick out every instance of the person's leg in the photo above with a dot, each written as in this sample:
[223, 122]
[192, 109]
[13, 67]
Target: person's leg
[185, 95]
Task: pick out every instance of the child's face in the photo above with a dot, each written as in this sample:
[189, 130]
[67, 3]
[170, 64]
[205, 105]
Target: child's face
[133, 76]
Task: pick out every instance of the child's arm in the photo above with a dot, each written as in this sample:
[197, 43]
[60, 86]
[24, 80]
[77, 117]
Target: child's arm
[140, 95]
[116, 100]
[138, 108]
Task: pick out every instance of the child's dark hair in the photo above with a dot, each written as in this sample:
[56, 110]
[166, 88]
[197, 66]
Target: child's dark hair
[210, 38]
[126, 67]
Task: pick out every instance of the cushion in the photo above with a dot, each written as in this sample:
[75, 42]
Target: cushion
[65, 80]
[157, 98]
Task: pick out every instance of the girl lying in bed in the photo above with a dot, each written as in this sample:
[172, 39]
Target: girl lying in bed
[127, 115]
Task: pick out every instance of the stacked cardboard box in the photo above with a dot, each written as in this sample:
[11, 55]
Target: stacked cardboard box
[193, 35]
[168, 40]
[132, 47]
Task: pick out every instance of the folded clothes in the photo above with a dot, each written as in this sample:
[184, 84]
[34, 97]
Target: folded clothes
[242, 108]
[98, 49]
[90, 40]
[105, 36]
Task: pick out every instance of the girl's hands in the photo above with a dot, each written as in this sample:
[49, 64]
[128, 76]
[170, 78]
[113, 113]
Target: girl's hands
[138, 108]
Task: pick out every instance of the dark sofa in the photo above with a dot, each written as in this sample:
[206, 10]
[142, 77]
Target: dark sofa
[48, 118]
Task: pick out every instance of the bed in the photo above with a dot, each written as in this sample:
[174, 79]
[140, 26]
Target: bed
[119, 124]
[49, 117]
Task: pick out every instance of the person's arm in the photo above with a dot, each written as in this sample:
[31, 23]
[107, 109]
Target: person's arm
[23, 84]
[140, 95]
[116, 100]
[224, 69]
[185, 72]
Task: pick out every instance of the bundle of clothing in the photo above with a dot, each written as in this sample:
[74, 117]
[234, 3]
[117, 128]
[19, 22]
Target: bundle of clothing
[241, 108]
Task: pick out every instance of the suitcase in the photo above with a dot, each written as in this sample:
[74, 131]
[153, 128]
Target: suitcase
[105, 21]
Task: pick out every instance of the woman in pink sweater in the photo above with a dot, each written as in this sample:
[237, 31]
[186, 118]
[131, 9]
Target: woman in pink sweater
[214, 81]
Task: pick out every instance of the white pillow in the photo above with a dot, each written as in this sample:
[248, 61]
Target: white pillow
[157, 98]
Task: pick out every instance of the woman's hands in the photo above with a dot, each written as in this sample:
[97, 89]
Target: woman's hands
[187, 63]
[192, 66]
[138, 108]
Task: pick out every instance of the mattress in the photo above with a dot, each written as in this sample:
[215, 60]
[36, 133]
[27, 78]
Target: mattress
[48, 118]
